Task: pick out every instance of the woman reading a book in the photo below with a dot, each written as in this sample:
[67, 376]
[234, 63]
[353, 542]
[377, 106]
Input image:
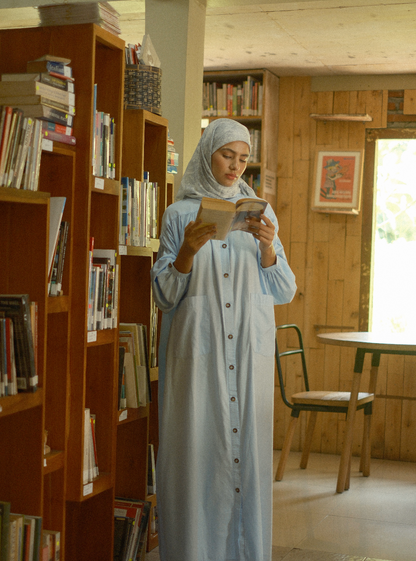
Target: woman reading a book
[216, 363]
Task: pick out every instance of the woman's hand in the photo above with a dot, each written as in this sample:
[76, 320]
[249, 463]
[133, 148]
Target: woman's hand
[264, 232]
[195, 237]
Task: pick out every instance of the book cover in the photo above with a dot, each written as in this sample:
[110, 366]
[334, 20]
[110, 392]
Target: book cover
[20, 101]
[24, 143]
[43, 77]
[121, 379]
[37, 536]
[12, 160]
[17, 307]
[58, 67]
[59, 137]
[151, 471]
[56, 210]
[44, 112]
[61, 259]
[7, 121]
[229, 216]
[31, 88]
[18, 534]
[122, 533]
[4, 528]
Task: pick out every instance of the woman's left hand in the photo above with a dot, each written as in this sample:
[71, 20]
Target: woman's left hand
[264, 232]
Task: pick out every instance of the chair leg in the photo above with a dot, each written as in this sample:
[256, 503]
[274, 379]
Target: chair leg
[308, 439]
[286, 448]
[366, 447]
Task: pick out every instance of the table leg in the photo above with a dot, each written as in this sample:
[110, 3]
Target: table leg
[343, 479]
[343, 482]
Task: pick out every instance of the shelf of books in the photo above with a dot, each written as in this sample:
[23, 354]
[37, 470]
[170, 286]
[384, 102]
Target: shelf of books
[250, 97]
[143, 186]
[55, 475]
[34, 411]
[81, 258]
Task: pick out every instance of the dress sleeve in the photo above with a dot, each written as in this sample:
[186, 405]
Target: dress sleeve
[277, 280]
[169, 285]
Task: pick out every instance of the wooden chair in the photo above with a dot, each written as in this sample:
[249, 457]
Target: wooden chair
[315, 402]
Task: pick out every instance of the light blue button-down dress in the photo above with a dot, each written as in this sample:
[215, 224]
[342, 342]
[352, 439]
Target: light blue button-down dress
[216, 388]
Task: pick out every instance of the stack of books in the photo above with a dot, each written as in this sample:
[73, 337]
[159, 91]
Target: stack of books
[22, 537]
[43, 95]
[173, 156]
[131, 526]
[100, 13]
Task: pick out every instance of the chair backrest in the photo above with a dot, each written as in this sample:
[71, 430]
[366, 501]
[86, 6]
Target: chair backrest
[299, 350]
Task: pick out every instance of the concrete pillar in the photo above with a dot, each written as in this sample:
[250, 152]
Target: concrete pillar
[177, 31]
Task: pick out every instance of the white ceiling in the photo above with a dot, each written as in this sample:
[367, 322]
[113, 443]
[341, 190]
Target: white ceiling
[311, 38]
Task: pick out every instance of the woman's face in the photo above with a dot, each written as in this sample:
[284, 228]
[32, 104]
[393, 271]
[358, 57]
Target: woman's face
[229, 162]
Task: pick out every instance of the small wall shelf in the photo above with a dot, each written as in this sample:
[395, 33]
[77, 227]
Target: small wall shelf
[341, 117]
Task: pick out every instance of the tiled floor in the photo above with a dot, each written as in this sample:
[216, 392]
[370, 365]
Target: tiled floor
[374, 520]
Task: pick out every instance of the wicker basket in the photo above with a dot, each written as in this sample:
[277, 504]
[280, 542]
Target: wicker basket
[142, 88]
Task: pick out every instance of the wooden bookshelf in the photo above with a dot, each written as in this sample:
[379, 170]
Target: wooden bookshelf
[267, 123]
[78, 368]
[144, 150]
[74, 371]
[33, 483]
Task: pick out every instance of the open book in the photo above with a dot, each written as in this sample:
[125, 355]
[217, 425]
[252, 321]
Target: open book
[229, 216]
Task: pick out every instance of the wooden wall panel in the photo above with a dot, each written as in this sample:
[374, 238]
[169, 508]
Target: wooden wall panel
[325, 252]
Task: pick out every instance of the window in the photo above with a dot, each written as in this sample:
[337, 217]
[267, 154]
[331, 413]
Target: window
[392, 272]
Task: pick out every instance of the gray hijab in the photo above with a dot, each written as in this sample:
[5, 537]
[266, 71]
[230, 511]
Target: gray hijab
[198, 180]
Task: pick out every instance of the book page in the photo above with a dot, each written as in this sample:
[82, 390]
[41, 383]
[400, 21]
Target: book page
[247, 209]
[221, 218]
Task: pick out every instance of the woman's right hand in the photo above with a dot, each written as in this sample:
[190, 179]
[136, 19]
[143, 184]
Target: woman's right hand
[195, 236]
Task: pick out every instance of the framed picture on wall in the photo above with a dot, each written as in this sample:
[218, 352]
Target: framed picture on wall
[338, 179]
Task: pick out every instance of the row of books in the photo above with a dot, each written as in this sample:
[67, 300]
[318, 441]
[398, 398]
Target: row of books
[131, 526]
[255, 153]
[102, 289]
[173, 156]
[233, 100]
[104, 143]
[253, 180]
[23, 539]
[139, 211]
[20, 149]
[90, 469]
[45, 92]
[17, 345]
[134, 374]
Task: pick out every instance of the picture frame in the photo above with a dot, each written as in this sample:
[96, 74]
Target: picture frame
[337, 181]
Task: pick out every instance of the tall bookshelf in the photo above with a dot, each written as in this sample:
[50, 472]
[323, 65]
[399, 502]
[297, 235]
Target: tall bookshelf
[77, 368]
[145, 138]
[34, 483]
[266, 123]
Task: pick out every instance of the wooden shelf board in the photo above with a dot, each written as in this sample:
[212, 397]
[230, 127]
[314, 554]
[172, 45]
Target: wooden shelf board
[154, 374]
[128, 415]
[341, 117]
[8, 194]
[57, 304]
[20, 402]
[53, 461]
